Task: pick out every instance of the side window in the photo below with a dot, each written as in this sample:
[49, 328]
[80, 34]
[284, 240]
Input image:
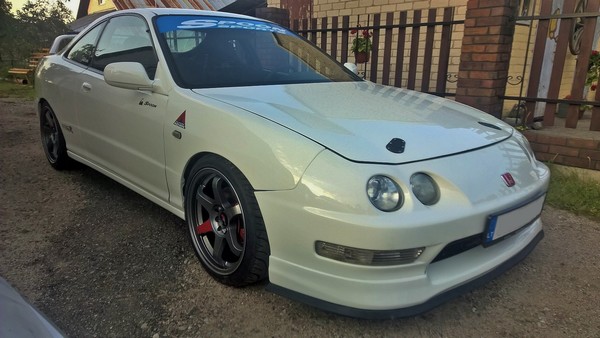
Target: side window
[82, 51]
[125, 39]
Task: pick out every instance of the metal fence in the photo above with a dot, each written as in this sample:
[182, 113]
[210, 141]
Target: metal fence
[557, 30]
[410, 49]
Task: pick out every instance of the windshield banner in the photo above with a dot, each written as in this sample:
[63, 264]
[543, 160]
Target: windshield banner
[189, 22]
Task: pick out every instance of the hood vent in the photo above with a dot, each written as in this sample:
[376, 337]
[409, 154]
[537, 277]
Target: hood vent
[489, 125]
[396, 146]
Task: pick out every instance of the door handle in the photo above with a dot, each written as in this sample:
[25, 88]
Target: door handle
[86, 87]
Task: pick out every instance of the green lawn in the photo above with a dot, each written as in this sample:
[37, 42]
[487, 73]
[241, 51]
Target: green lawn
[11, 89]
[575, 193]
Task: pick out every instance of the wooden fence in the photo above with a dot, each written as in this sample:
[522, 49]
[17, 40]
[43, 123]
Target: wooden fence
[411, 49]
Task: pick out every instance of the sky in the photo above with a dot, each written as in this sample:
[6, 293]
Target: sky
[71, 4]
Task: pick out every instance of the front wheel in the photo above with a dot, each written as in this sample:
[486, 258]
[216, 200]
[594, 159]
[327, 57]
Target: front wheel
[225, 223]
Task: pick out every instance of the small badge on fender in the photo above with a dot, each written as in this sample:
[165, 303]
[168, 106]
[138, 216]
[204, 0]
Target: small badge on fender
[508, 179]
[180, 122]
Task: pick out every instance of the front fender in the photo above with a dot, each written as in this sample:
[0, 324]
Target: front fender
[270, 156]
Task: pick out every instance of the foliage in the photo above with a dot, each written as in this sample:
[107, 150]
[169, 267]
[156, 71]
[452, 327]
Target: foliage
[593, 70]
[34, 27]
[362, 42]
[569, 191]
[14, 90]
[8, 27]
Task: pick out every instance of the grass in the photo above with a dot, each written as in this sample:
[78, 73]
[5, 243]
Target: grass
[572, 192]
[15, 90]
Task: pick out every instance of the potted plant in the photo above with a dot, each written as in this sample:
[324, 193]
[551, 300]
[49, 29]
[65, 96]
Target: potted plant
[563, 108]
[361, 45]
[593, 73]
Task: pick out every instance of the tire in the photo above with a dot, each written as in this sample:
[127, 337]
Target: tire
[53, 140]
[225, 224]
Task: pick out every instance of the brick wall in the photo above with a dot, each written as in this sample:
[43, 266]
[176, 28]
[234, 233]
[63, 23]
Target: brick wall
[485, 53]
[574, 152]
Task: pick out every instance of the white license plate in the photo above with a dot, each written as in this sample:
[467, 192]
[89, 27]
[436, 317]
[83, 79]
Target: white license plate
[505, 223]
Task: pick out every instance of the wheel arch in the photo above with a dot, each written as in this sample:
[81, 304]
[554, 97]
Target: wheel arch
[187, 169]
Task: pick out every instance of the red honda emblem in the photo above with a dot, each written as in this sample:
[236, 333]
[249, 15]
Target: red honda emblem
[508, 179]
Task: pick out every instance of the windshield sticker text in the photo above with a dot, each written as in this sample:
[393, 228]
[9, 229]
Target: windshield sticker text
[170, 23]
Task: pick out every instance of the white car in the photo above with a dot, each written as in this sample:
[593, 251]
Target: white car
[357, 198]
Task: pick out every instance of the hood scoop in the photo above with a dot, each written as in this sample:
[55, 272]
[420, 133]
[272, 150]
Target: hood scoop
[396, 146]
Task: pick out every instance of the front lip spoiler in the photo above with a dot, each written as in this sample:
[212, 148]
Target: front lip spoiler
[414, 310]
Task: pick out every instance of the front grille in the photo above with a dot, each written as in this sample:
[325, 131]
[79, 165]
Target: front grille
[459, 246]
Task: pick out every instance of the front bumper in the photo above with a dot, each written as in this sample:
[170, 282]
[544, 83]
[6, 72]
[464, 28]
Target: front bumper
[330, 205]
[413, 310]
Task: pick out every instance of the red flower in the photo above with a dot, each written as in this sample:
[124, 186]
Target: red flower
[593, 87]
[353, 31]
[594, 52]
[365, 33]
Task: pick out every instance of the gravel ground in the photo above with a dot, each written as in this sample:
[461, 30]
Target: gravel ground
[102, 261]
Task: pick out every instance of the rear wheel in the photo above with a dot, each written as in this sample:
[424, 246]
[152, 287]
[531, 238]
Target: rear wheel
[53, 140]
[225, 223]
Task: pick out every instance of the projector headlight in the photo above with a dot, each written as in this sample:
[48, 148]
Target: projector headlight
[384, 193]
[425, 188]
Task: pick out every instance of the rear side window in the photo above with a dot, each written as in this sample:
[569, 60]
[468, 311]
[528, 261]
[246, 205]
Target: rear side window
[83, 50]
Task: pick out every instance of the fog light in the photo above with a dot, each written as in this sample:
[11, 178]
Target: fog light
[350, 255]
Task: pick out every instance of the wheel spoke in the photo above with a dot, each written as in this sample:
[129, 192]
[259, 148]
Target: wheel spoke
[232, 211]
[204, 228]
[49, 119]
[232, 240]
[54, 150]
[218, 247]
[217, 191]
[204, 200]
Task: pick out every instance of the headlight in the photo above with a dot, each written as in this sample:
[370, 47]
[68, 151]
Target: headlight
[425, 188]
[384, 193]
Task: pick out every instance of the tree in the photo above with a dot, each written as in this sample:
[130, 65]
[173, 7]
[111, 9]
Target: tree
[34, 27]
[7, 28]
[43, 20]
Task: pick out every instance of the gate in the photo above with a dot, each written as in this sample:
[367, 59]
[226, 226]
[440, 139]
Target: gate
[410, 49]
[563, 27]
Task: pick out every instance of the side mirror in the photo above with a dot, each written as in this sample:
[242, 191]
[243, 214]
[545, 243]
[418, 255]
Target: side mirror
[128, 75]
[352, 66]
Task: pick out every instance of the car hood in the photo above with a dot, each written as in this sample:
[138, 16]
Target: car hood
[367, 122]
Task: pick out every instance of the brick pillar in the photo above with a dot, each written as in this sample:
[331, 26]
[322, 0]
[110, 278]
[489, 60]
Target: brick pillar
[485, 53]
[277, 15]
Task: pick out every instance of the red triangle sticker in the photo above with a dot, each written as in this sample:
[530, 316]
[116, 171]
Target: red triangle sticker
[180, 122]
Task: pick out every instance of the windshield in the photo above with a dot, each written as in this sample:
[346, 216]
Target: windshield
[208, 52]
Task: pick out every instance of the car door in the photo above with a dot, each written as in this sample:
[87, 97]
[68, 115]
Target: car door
[123, 128]
[63, 81]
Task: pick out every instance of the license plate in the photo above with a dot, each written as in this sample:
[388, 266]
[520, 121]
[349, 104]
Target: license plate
[505, 223]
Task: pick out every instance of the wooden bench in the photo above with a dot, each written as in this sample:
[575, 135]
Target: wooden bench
[25, 75]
